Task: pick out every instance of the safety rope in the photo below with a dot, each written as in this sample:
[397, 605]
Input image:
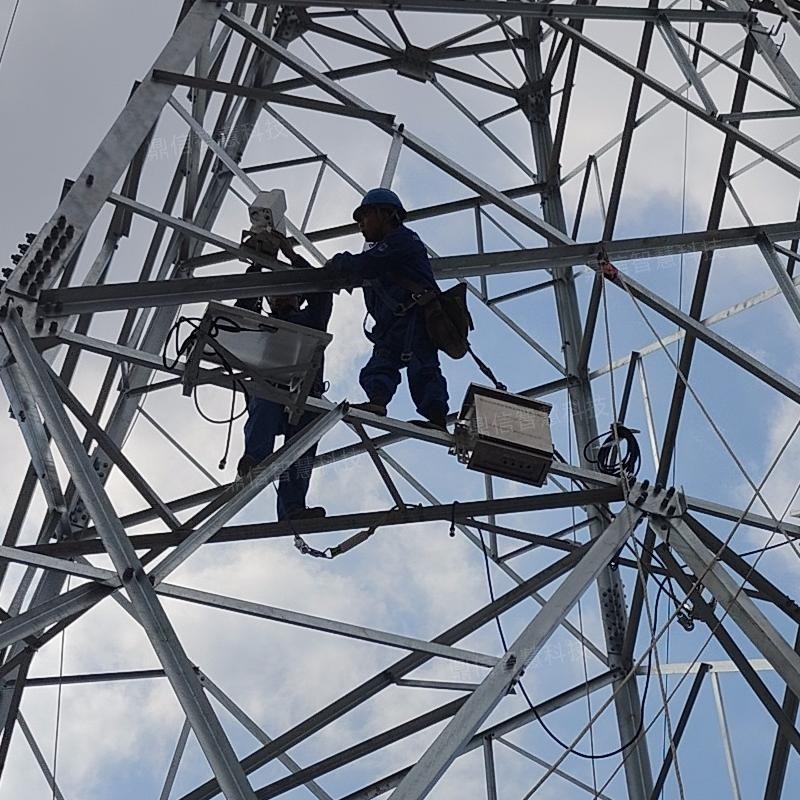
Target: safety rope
[348, 544]
[484, 368]
[332, 552]
[8, 31]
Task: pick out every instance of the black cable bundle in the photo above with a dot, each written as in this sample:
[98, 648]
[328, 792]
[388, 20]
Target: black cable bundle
[183, 347]
[610, 458]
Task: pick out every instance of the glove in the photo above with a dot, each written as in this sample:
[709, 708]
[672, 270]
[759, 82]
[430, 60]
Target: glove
[334, 269]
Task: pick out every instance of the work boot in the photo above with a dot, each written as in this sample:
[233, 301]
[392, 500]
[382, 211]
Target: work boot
[315, 512]
[245, 465]
[379, 409]
[432, 424]
[436, 421]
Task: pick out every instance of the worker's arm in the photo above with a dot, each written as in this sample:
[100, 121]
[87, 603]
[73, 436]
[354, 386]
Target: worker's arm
[359, 267]
[319, 309]
[320, 304]
[286, 246]
[250, 303]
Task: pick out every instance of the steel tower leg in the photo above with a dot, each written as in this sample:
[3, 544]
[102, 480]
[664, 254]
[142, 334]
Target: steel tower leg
[638, 772]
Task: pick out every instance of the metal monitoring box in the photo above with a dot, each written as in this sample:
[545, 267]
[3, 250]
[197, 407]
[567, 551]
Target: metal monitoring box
[505, 435]
[281, 359]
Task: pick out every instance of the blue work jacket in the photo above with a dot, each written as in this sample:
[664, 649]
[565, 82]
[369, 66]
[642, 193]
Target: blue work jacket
[400, 252]
[316, 314]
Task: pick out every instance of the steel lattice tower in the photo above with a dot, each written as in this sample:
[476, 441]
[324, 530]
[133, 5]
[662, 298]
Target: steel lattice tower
[618, 186]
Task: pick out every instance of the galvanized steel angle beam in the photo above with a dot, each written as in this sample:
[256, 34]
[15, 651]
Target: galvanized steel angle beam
[732, 600]
[672, 747]
[408, 515]
[110, 448]
[250, 725]
[74, 300]
[327, 625]
[464, 527]
[781, 276]
[35, 436]
[708, 337]
[698, 298]
[435, 761]
[780, 751]
[39, 756]
[372, 686]
[726, 736]
[205, 724]
[269, 96]
[34, 620]
[104, 169]
[497, 730]
[438, 159]
[687, 68]
[703, 612]
[533, 10]
[770, 51]
[583, 411]
[748, 141]
[252, 485]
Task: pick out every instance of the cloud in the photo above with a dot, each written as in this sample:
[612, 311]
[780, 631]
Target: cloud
[414, 580]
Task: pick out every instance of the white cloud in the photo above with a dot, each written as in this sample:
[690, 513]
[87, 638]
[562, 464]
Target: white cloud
[414, 580]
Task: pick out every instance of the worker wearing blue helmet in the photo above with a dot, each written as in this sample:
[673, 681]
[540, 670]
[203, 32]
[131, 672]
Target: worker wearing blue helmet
[395, 259]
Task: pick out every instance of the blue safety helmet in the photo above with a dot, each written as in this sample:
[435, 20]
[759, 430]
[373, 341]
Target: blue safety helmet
[381, 197]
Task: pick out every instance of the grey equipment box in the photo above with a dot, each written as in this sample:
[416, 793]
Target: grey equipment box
[505, 435]
[280, 358]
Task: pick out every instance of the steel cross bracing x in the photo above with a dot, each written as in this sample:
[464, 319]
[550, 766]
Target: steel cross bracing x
[48, 314]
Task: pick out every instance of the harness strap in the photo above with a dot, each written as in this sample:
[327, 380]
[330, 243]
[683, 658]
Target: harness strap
[408, 351]
[484, 368]
[332, 552]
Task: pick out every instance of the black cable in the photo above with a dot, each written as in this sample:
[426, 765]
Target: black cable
[553, 736]
[768, 547]
[653, 554]
[610, 459]
[182, 347]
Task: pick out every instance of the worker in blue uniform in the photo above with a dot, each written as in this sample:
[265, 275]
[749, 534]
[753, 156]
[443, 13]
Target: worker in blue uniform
[395, 259]
[267, 419]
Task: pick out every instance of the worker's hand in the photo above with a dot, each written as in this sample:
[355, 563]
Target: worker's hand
[282, 242]
[333, 269]
[334, 265]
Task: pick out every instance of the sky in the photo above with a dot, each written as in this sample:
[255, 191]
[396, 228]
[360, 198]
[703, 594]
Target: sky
[65, 76]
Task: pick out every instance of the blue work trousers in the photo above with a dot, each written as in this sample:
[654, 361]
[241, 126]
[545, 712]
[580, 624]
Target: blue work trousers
[265, 421]
[380, 376]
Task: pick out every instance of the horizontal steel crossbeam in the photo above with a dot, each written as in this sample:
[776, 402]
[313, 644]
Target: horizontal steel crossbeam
[534, 10]
[115, 296]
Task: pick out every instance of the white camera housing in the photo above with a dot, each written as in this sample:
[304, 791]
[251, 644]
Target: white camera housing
[268, 212]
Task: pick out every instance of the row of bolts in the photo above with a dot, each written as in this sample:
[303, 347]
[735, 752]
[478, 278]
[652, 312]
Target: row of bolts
[43, 261]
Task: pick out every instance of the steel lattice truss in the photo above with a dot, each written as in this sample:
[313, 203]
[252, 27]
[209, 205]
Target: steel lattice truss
[479, 113]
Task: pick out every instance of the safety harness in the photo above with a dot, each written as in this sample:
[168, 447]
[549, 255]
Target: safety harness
[447, 319]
